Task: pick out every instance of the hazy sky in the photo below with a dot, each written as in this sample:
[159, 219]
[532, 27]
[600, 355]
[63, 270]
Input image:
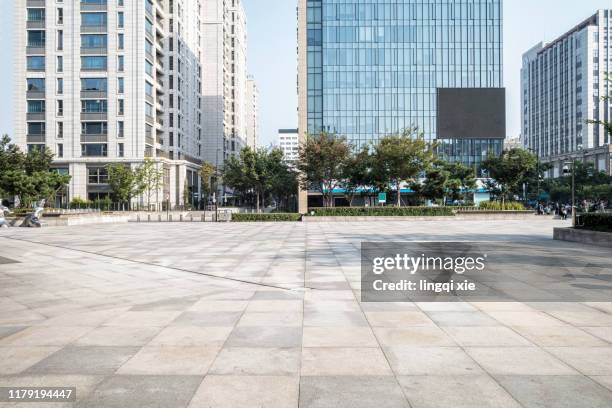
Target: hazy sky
[272, 53]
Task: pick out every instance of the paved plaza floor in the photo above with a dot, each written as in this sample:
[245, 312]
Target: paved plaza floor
[269, 315]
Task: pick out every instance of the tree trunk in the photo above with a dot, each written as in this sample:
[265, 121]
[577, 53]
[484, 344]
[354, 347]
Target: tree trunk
[257, 201]
[399, 194]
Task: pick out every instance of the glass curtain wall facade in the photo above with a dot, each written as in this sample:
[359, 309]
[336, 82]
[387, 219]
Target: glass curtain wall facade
[374, 66]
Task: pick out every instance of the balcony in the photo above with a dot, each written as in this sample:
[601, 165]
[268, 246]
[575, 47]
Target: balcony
[36, 3]
[94, 5]
[89, 138]
[94, 50]
[94, 95]
[37, 94]
[36, 25]
[37, 116]
[36, 48]
[149, 119]
[40, 138]
[94, 29]
[94, 116]
[149, 140]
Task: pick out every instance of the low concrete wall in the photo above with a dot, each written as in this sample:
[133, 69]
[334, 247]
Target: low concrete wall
[462, 216]
[603, 239]
[67, 220]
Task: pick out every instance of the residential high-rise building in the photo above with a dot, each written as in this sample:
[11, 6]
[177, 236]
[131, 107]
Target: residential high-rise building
[562, 83]
[372, 68]
[252, 113]
[101, 82]
[225, 74]
[289, 143]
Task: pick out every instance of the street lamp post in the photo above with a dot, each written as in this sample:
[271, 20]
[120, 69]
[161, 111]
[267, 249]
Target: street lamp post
[573, 170]
[538, 171]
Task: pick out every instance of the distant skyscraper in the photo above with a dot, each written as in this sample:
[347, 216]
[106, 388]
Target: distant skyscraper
[225, 84]
[289, 143]
[372, 68]
[101, 82]
[252, 113]
[562, 83]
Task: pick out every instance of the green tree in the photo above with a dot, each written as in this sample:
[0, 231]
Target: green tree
[461, 180]
[322, 163]
[283, 183]
[123, 182]
[207, 173]
[149, 179]
[399, 159]
[357, 175]
[28, 176]
[435, 183]
[510, 170]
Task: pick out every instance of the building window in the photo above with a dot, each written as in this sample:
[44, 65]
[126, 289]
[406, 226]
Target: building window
[36, 106]
[95, 63]
[36, 38]
[148, 68]
[120, 63]
[60, 64]
[94, 84]
[36, 128]
[120, 129]
[93, 19]
[60, 86]
[94, 106]
[120, 41]
[36, 14]
[36, 84]
[120, 150]
[94, 128]
[120, 85]
[99, 41]
[36, 63]
[97, 175]
[60, 16]
[60, 107]
[120, 20]
[120, 107]
[94, 150]
[60, 130]
[60, 150]
[148, 89]
[60, 40]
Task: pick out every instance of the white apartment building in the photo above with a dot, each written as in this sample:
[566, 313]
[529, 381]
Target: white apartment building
[562, 83]
[225, 79]
[102, 82]
[289, 143]
[252, 113]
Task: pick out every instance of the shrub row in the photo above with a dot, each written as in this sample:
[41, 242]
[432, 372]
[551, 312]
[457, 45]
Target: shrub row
[382, 212]
[497, 206]
[596, 222]
[275, 217]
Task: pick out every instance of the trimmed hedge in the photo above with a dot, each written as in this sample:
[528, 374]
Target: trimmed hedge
[497, 206]
[596, 222]
[275, 217]
[382, 212]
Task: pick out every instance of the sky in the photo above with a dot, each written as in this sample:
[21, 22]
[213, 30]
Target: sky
[272, 56]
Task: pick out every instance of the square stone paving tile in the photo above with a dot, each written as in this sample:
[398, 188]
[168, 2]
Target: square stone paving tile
[398, 319]
[257, 361]
[559, 336]
[118, 336]
[6, 331]
[339, 337]
[271, 319]
[92, 360]
[170, 360]
[465, 391]
[518, 361]
[587, 360]
[486, 336]
[558, 391]
[207, 305]
[512, 318]
[464, 319]
[15, 359]
[414, 337]
[228, 391]
[134, 319]
[604, 333]
[45, 336]
[334, 319]
[431, 361]
[351, 392]
[123, 391]
[275, 306]
[166, 305]
[277, 337]
[207, 319]
[344, 362]
[191, 336]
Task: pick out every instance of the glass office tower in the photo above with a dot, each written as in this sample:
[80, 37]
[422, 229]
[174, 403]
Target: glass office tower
[370, 68]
